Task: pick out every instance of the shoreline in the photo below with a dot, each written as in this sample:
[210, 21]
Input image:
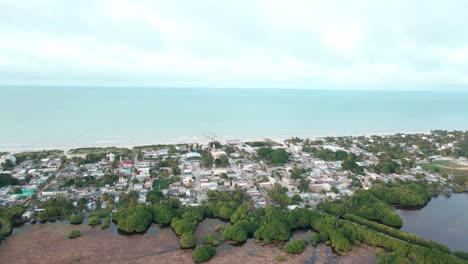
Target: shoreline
[201, 139]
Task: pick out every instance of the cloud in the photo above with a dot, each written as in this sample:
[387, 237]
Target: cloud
[301, 44]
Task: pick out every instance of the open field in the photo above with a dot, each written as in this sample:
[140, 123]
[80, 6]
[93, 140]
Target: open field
[263, 143]
[106, 150]
[446, 166]
[158, 147]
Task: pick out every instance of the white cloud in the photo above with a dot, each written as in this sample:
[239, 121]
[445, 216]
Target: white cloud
[222, 44]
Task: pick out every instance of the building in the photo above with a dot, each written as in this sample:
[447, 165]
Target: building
[193, 156]
[110, 157]
[138, 187]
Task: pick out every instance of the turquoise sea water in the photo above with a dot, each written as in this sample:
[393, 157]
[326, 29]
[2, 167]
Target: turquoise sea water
[45, 117]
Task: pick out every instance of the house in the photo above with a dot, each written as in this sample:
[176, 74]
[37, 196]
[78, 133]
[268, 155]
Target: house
[150, 155]
[209, 185]
[54, 193]
[292, 207]
[217, 154]
[27, 215]
[8, 157]
[4, 191]
[173, 192]
[319, 187]
[218, 171]
[144, 171]
[149, 183]
[138, 187]
[142, 198]
[187, 181]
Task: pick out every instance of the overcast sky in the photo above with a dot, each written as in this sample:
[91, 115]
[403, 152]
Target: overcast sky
[299, 44]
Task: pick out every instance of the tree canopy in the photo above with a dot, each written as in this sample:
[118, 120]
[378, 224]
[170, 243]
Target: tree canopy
[203, 253]
[277, 157]
[133, 219]
[295, 246]
[7, 179]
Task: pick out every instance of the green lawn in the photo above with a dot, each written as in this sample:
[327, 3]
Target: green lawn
[447, 163]
[443, 165]
[161, 184]
[100, 150]
[265, 143]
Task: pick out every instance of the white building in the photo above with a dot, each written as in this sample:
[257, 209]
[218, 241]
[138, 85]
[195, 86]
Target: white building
[110, 157]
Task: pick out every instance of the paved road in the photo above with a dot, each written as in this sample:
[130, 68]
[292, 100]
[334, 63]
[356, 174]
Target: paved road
[136, 162]
[196, 184]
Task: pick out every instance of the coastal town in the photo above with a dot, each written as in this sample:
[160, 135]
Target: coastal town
[293, 173]
[308, 171]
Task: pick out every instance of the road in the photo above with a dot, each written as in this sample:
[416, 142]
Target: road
[196, 182]
[136, 162]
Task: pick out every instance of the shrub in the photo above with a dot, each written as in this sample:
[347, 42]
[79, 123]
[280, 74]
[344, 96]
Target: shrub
[187, 240]
[280, 258]
[76, 219]
[95, 220]
[105, 224]
[314, 239]
[100, 212]
[461, 254]
[295, 246]
[203, 253]
[211, 240]
[323, 236]
[235, 232]
[74, 233]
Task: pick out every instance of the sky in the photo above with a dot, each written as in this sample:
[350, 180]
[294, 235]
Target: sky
[395, 44]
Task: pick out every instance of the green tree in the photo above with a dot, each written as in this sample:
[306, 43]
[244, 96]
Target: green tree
[8, 165]
[235, 232]
[203, 253]
[295, 246]
[187, 240]
[133, 219]
[76, 219]
[278, 195]
[163, 214]
[277, 157]
[74, 234]
[210, 239]
[314, 239]
[222, 161]
[17, 190]
[7, 179]
[93, 221]
[206, 159]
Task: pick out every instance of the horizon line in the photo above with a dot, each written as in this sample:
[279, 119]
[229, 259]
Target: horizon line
[323, 87]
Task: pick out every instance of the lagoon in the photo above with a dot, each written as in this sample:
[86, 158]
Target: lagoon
[443, 219]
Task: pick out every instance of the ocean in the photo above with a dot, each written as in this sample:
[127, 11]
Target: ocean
[67, 117]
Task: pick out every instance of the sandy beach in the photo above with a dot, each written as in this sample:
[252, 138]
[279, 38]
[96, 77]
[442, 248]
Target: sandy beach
[66, 146]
